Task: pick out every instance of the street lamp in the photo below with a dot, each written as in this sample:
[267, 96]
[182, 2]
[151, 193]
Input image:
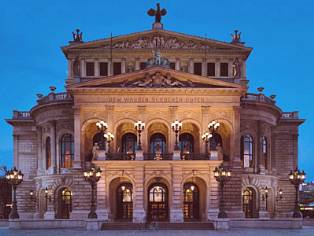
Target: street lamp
[102, 127]
[93, 176]
[222, 176]
[109, 137]
[139, 126]
[32, 195]
[296, 178]
[213, 127]
[14, 177]
[205, 137]
[176, 127]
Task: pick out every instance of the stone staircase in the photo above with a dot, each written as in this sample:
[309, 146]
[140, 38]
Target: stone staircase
[157, 226]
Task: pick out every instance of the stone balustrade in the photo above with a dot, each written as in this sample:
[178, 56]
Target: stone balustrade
[55, 97]
[21, 115]
[290, 115]
[251, 97]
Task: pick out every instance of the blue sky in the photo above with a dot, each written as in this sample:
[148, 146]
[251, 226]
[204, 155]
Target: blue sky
[280, 31]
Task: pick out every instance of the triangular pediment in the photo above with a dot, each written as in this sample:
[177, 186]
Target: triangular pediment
[155, 77]
[165, 39]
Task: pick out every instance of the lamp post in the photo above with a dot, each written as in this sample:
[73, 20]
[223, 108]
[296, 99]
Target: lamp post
[14, 177]
[205, 137]
[213, 127]
[296, 178]
[93, 176]
[102, 127]
[222, 176]
[139, 126]
[176, 127]
[109, 137]
[32, 196]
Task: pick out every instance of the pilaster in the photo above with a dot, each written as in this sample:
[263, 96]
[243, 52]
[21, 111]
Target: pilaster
[176, 210]
[77, 139]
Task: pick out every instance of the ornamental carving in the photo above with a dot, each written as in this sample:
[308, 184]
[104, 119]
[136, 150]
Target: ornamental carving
[160, 41]
[157, 80]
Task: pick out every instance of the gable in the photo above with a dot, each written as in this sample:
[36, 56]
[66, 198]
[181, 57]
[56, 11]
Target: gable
[164, 39]
[156, 77]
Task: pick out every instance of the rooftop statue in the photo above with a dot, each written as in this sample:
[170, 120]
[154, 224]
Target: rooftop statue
[157, 13]
[236, 37]
[77, 36]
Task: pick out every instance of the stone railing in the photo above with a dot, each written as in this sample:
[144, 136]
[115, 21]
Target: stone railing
[55, 97]
[152, 156]
[290, 115]
[21, 115]
[251, 97]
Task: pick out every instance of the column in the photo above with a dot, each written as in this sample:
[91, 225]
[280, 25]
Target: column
[176, 211]
[204, 68]
[83, 69]
[96, 67]
[173, 117]
[139, 214]
[77, 139]
[217, 69]
[102, 205]
[205, 120]
[177, 64]
[40, 161]
[230, 64]
[137, 63]
[123, 65]
[16, 151]
[191, 66]
[52, 168]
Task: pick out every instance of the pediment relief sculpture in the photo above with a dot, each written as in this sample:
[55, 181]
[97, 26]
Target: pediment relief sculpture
[157, 80]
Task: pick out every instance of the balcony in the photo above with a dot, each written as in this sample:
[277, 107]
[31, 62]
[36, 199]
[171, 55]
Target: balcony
[21, 115]
[101, 156]
[251, 97]
[55, 97]
[290, 115]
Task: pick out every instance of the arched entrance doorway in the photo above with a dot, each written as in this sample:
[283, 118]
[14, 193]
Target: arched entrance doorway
[125, 202]
[64, 203]
[191, 202]
[157, 202]
[249, 202]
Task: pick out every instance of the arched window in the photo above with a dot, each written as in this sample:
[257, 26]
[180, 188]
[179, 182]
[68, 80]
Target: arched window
[125, 201]
[64, 203]
[186, 143]
[157, 202]
[247, 151]
[158, 143]
[264, 150]
[48, 152]
[67, 151]
[129, 143]
[100, 140]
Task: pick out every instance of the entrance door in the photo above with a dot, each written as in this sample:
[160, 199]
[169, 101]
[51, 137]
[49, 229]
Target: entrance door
[125, 202]
[190, 202]
[65, 203]
[158, 202]
[249, 200]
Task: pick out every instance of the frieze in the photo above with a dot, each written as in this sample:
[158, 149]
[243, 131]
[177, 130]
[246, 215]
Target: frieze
[150, 42]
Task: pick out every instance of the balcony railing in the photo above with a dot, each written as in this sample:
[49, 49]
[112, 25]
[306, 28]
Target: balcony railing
[21, 115]
[251, 97]
[154, 156]
[290, 115]
[55, 97]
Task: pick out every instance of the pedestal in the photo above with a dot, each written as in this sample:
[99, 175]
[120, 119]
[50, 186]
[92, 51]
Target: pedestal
[176, 155]
[139, 155]
[101, 155]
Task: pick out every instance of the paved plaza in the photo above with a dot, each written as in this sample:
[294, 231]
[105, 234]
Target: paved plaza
[306, 231]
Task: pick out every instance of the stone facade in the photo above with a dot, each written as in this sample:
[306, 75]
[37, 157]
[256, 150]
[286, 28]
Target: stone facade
[108, 80]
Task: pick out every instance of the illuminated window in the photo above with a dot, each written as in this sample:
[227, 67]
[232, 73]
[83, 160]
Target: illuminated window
[67, 151]
[157, 194]
[264, 150]
[247, 151]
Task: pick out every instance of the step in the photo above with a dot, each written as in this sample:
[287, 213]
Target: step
[157, 226]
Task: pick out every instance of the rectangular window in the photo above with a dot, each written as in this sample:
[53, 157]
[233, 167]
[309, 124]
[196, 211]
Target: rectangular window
[211, 69]
[223, 69]
[172, 65]
[90, 69]
[198, 68]
[142, 65]
[103, 68]
[116, 68]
